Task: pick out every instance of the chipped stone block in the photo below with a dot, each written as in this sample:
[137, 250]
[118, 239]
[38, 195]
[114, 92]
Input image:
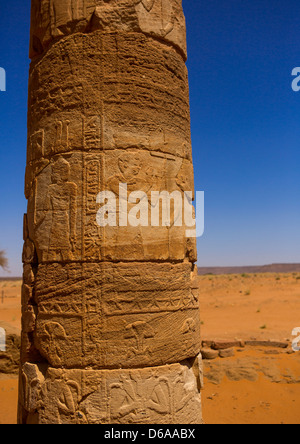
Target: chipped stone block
[167, 394]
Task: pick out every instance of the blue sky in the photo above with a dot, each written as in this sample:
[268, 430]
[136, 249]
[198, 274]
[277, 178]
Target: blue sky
[245, 128]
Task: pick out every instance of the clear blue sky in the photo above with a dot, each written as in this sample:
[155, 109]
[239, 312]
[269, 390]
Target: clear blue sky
[245, 128]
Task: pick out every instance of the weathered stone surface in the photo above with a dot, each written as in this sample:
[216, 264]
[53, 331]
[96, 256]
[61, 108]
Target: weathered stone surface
[62, 208]
[125, 104]
[226, 353]
[53, 19]
[116, 315]
[110, 312]
[10, 358]
[223, 345]
[116, 91]
[167, 394]
[208, 353]
[275, 344]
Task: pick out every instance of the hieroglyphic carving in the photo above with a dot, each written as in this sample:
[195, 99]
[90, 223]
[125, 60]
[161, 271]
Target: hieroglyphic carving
[148, 396]
[31, 380]
[100, 341]
[165, 302]
[92, 132]
[140, 332]
[36, 147]
[92, 235]
[67, 309]
[157, 397]
[115, 80]
[52, 19]
[119, 307]
[51, 333]
[61, 141]
[164, 15]
[163, 18]
[71, 208]
[64, 136]
[60, 396]
[108, 105]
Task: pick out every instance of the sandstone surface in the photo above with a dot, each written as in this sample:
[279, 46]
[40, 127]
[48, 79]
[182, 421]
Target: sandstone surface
[110, 313]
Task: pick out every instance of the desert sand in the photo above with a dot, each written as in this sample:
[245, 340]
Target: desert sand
[258, 385]
[259, 306]
[10, 320]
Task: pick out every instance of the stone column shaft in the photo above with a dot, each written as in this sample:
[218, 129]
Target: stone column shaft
[110, 315]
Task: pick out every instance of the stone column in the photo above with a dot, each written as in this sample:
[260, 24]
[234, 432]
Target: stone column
[110, 314]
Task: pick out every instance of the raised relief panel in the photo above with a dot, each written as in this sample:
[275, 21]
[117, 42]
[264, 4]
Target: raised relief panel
[63, 208]
[58, 137]
[59, 337]
[92, 234]
[116, 315]
[36, 148]
[61, 141]
[55, 210]
[31, 381]
[60, 396]
[109, 282]
[55, 213]
[148, 173]
[139, 331]
[165, 19]
[53, 19]
[92, 133]
[167, 394]
[124, 100]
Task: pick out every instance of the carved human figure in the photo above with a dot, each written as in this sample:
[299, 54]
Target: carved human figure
[159, 400]
[163, 14]
[133, 399]
[140, 331]
[166, 13]
[62, 395]
[51, 333]
[61, 202]
[131, 175]
[128, 400]
[129, 166]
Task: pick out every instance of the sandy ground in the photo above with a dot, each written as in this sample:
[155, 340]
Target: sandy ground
[10, 306]
[253, 388]
[262, 306]
[8, 399]
[257, 385]
[10, 319]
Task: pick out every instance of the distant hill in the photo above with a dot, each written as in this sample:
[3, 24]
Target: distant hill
[273, 268]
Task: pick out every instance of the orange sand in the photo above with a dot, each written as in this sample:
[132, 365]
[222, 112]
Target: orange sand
[10, 306]
[258, 385]
[8, 399]
[238, 306]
